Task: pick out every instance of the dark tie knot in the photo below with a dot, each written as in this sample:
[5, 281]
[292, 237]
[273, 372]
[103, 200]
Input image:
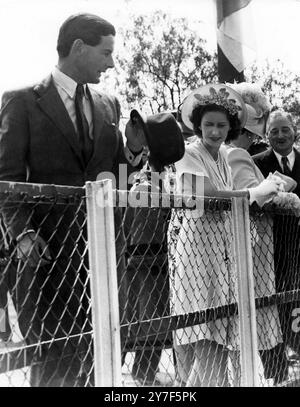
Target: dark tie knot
[284, 160]
[79, 90]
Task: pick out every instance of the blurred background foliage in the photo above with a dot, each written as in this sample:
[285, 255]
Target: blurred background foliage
[162, 58]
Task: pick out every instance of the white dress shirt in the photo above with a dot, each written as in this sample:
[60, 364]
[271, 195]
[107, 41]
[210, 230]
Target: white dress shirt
[66, 88]
[290, 158]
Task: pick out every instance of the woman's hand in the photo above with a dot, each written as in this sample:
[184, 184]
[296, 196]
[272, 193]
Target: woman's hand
[265, 190]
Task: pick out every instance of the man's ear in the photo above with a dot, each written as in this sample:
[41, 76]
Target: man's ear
[77, 46]
[296, 136]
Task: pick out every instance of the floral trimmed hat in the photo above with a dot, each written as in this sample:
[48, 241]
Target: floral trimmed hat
[218, 94]
[257, 104]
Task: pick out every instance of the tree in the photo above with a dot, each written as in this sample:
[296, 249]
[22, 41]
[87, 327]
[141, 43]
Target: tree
[162, 59]
[281, 85]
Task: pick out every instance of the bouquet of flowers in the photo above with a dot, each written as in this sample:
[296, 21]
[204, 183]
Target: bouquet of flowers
[283, 199]
[288, 200]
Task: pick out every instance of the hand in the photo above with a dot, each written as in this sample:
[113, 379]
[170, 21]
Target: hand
[135, 135]
[289, 185]
[276, 178]
[33, 249]
[265, 190]
[269, 186]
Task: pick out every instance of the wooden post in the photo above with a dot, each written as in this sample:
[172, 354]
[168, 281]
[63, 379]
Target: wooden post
[246, 297]
[104, 286]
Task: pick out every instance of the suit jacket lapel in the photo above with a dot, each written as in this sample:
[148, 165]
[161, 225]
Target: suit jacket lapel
[273, 163]
[296, 167]
[98, 109]
[51, 103]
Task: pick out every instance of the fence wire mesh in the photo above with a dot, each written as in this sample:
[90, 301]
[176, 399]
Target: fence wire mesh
[276, 247]
[181, 289]
[180, 323]
[177, 282]
[46, 335]
[147, 291]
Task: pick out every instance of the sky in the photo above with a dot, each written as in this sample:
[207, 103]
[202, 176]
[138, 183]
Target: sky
[29, 28]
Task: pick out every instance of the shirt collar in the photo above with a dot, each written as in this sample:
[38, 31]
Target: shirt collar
[66, 83]
[290, 156]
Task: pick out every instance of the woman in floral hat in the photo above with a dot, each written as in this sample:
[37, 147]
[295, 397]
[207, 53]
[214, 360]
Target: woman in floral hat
[202, 272]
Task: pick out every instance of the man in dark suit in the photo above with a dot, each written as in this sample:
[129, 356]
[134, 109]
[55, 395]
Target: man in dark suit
[284, 158]
[62, 132]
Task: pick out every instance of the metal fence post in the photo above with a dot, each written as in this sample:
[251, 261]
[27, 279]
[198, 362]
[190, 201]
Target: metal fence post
[246, 296]
[104, 287]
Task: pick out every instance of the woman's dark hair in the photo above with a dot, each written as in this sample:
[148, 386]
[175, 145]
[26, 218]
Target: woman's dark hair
[199, 111]
[87, 27]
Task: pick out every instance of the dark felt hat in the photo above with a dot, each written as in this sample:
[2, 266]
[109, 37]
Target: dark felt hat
[163, 135]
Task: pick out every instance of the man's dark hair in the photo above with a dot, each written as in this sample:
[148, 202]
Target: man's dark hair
[199, 111]
[87, 27]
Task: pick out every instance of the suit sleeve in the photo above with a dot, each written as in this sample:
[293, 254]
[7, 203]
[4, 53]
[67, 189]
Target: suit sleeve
[242, 169]
[14, 140]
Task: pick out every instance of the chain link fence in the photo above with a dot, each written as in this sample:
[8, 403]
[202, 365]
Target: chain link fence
[275, 237]
[182, 297]
[46, 330]
[159, 295]
[182, 287]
